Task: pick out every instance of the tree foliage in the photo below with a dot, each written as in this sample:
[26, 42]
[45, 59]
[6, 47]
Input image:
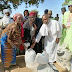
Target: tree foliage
[34, 10]
[16, 3]
[66, 2]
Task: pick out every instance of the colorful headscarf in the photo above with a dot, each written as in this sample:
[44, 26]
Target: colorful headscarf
[32, 13]
[17, 15]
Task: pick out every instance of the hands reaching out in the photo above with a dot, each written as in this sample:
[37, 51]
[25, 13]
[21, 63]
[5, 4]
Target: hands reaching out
[32, 46]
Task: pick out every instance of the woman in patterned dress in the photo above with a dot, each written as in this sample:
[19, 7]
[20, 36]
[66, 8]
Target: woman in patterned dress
[10, 39]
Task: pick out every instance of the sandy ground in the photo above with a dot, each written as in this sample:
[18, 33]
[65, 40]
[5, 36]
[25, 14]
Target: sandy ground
[20, 64]
[19, 68]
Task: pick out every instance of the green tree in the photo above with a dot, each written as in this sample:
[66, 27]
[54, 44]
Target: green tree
[16, 3]
[35, 11]
[66, 2]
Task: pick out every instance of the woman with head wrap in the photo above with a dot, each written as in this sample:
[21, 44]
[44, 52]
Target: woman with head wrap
[29, 24]
[33, 25]
[30, 28]
[10, 39]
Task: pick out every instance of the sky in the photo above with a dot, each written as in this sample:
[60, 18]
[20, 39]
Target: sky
[54, 5]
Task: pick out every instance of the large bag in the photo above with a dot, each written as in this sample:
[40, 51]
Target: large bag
[29, 57]
[45, 68]
[42, 58]
[64, 57]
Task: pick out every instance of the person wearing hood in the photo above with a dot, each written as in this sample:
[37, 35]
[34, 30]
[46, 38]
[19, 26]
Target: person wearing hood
[6, 19]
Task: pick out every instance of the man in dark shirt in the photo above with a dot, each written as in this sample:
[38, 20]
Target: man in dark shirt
[36, 23]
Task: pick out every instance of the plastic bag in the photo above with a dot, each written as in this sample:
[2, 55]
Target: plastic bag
[64, 56]
[45, 68]
[29, 57]
[42, 58]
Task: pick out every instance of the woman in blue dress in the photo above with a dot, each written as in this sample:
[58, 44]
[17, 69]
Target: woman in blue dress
[10, 39]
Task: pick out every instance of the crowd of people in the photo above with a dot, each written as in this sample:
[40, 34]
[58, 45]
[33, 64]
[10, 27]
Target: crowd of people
[44, 33]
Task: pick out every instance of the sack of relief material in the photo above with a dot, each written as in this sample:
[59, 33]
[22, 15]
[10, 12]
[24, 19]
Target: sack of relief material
[64, 57]
[42, 58]
[44, 68]
[29, 57]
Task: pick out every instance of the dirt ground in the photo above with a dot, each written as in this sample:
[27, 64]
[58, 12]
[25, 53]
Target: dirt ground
[20, 65]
